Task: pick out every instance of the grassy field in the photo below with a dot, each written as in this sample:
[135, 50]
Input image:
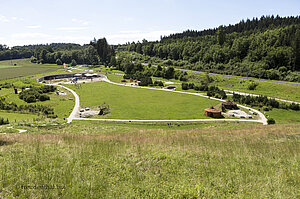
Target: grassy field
[14, 117]
[288, 92]
[61, 104]
[284, 116]
[135, 103]
[94, 160]
[23, 68]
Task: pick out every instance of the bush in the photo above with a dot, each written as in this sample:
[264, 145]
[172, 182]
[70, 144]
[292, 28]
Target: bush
[185, 86]
[3, 122]
[29, 98]
[145, 81]
[253, 86]
[158, 83]
[44, 97]
[294, 107]
[271, 121]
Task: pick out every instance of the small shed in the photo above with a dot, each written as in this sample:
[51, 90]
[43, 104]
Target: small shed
[215, 113]
[229, 105]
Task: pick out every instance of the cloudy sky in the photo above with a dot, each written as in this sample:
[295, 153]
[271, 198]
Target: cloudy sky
[79, 21]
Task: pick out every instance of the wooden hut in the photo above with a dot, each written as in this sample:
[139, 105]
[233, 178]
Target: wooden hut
[229, 105]
[215, 113]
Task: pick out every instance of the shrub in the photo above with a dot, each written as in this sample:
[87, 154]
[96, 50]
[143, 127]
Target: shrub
[271, 121]
[29, 98]
[158, 83]
[44, 97]
[3, 122]
[185, 86]
[294, 107]
[145, 81]
[253, 86]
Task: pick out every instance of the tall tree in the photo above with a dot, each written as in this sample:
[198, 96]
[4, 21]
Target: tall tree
[221, 35]
[103, 49]
[296, 48]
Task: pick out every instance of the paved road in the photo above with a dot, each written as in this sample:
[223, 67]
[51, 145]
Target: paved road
[76, 106]
[235, 77]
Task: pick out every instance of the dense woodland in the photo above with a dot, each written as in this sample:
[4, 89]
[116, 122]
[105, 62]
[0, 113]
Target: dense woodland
[98, 51]
[268, 48]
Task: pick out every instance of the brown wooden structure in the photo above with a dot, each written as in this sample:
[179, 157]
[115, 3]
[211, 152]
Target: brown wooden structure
[229, 105]
[215, 113]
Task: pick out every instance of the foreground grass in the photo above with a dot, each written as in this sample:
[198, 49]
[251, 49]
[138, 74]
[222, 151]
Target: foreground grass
[103, 161]
[136, 103]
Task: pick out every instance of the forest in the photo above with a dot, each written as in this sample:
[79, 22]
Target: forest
[267, 48]
[98, 51]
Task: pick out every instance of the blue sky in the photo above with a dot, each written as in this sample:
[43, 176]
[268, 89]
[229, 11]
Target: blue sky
[79, 21]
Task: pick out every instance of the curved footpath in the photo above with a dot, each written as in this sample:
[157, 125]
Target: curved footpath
[72, 116]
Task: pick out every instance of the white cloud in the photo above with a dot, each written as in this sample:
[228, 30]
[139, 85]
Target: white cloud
[3, 18]
[81, 22]
[71, 29]
[33, 27]
[27, 38]
[125, 36]
[27, 35]
[9, 19]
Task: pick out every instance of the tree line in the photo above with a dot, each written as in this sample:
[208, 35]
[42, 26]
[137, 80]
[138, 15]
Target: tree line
[266, 48]
[144, 73]
[96, 52]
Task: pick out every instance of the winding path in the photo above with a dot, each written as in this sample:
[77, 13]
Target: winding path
[72, 116]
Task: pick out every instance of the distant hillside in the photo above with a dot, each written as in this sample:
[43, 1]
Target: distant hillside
[27, 51]
[261, 24]
[268, 48]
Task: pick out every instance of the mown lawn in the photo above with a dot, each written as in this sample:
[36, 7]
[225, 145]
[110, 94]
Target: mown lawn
[93, 160]
[136, 103]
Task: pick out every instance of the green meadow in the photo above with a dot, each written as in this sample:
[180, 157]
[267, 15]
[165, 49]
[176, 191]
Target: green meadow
[283, 91]
[23, 68]
[96, 160]
[136, 103]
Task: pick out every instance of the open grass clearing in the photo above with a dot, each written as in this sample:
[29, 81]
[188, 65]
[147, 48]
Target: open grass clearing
[282, 91]
[136, 103]
[23, 68]
[60, 103]
[254, 161]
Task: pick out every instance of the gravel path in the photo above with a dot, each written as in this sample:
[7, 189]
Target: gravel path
[72, 116]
